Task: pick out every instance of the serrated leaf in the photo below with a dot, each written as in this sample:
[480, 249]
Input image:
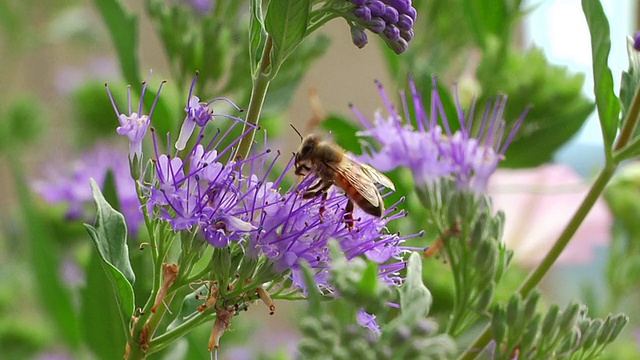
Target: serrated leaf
[606, 101]
[109, 235]
[415, 298]
[45, 260]
[123, 27]
[286, 22]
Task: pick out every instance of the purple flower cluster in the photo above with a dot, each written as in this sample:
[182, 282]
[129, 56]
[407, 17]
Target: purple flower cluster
[71, 184]
[230, 201]
[391, 19]
[430, 149]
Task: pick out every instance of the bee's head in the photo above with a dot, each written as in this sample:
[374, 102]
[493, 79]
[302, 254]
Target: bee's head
[309, 144]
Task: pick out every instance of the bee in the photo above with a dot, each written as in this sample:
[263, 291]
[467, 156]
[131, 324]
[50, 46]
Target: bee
[334, 167]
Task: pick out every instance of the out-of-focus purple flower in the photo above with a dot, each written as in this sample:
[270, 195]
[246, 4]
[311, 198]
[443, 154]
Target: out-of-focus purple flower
[70, 183]
[636, 41]
[202, 7]
[134, 124]
[391, 19]
[368, 321]
[430, 149]
[199, 113]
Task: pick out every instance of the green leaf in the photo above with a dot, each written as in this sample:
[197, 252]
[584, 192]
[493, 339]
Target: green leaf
[100, 313]
[123, 27]
[45, 260]
[286, 22]
[256, 34]
[559, 107]
[630, 78]
[415, 298]
[606, 101]
[343, 132]
[110, 238]
[189, 306]
[313, 294]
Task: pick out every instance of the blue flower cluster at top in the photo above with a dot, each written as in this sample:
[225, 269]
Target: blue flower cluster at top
[391, 19]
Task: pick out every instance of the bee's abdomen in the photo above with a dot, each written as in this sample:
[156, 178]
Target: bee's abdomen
[359, 200]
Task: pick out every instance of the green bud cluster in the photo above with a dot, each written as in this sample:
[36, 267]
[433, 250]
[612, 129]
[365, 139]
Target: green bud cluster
[518, 330]
[470, 236]
[330, 330]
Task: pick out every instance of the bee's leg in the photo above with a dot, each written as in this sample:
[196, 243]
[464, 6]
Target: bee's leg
[317, 189]
[348, 215]
[325, 195]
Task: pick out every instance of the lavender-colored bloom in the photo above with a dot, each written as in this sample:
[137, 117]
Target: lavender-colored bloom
[201, 6]
[134, 124]
[198, 113]
[430, 149]
[636, 41]
[292, 230]
[70, 183]
[368, 321]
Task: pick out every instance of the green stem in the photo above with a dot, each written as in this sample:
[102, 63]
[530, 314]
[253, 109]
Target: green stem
[169, 337]
[258, 93]
[538, 273]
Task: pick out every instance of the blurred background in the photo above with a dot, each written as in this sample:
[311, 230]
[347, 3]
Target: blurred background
[55, 54]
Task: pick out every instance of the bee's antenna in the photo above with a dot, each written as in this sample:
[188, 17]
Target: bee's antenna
[297, 132]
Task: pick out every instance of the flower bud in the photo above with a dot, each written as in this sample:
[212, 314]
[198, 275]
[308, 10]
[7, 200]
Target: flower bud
[405, 22]
[363, 13]
[376, 25]
[498, 324]
[390, 15]
[392, 32]
[377, 8]
[358, 36]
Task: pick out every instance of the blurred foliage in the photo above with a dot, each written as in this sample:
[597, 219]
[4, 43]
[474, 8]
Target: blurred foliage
[465, 41]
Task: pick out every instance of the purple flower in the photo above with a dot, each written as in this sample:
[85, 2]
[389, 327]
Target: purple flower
[391, 19]
[636, 41]
[201, 6]
[368, 321]
[198, 113]
[430, 149]
[134, 124]
[69, 183]
[226, 201]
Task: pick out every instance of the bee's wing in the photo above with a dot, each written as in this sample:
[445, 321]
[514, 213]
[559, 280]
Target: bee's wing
[378, 177]
[356, 177]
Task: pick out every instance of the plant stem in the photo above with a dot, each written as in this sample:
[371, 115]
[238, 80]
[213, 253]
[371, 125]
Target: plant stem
[258, 93]
[538, 273]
